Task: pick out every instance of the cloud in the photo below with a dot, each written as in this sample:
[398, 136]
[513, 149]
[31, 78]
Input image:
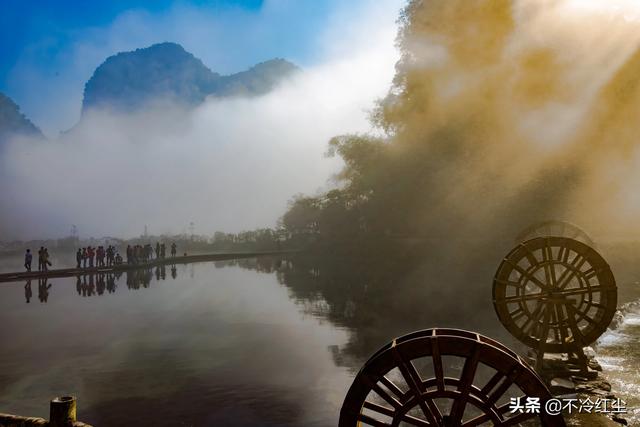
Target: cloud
[230, 164]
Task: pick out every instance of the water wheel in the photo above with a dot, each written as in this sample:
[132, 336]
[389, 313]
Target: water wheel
[555, 228]
[443, 377]
[555, 294]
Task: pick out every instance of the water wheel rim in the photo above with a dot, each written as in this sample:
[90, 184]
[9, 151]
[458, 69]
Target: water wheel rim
[422, 392]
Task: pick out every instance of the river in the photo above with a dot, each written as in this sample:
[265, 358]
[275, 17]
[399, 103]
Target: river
[261, 342]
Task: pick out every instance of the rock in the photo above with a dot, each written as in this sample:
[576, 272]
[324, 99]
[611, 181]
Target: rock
[584, 388]
[593, 364]
[562, 386]
[619, 419]
[579, 378]
[589, 352]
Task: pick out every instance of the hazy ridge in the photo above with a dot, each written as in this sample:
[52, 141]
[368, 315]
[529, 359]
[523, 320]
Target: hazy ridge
[131, 80]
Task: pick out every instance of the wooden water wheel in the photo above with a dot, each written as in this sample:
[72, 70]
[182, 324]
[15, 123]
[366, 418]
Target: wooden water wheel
[555, 294]
[444, 377]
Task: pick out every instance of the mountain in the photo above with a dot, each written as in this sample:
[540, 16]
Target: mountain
[258, 80]
[130, 80]
[13, 122]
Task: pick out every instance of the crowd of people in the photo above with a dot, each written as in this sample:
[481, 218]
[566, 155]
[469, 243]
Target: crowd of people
[90, 257]
[139, 254]
[97, 256]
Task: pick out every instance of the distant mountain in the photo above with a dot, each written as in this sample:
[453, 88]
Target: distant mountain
[13, 122]
[129, 80]
[258, 80]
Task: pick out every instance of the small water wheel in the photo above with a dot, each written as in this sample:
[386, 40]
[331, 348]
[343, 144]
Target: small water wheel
[555, 294]
[444, 377]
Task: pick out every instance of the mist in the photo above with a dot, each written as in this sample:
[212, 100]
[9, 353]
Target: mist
[230, 164]
[523, 111]
[526, 111]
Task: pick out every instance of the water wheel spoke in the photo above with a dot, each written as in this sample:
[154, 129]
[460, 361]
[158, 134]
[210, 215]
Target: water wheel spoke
[598, 305]
[571, 273]
[415, 421]
[413, 380]
[392, 387]
[591, 273]
[464, 387]
[438, 371]
[549, 268]
[502, 388]
[531, 257]
[563, 254]
[544, 334]
[381, 392]
[580, 291]
[586, 317]
[573, 325]
[524, 273]
[493, 381]
[562, 323]
[517, 314]
[521, 298]
[532, 321]
[509, 283]
[378, 408]
[371, 421]
[554, 320]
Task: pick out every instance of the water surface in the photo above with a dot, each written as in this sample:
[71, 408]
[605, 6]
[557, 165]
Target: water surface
[262, 342]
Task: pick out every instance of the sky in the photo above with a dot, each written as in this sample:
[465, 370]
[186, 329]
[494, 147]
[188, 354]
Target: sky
[49, 49]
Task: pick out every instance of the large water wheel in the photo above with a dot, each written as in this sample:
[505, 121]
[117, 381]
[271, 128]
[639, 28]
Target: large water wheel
[555, 294]
[444, 377]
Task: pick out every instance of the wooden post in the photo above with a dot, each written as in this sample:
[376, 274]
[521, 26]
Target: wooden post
[63, 411]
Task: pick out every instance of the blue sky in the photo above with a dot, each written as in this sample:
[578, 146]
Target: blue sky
[48, 49]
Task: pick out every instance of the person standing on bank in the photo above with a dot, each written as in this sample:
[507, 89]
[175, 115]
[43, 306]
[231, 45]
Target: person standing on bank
[91, 252]
[40, 256]
[45, 260]
[28, 257]
[79, 257]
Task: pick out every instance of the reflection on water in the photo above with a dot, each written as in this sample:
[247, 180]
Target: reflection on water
[254, 342]
[200, 344]
[90, 284]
